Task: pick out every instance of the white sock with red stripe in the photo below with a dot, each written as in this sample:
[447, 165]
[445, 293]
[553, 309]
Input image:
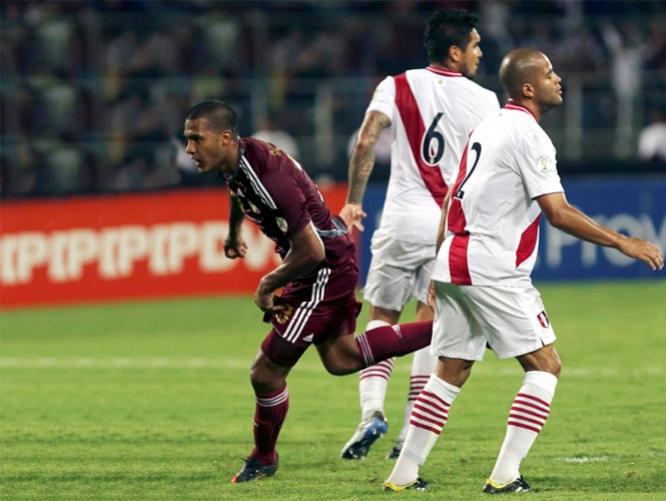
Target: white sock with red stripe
[527, 416]
[426, 422]
[423, 365]
[373, 381]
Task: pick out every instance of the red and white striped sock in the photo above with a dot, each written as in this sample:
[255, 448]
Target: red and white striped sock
[270, 411]
[527, 416]
[423, 365]
[428, 418]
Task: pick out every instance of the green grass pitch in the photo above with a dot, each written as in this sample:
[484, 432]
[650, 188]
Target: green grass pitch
[151, 400]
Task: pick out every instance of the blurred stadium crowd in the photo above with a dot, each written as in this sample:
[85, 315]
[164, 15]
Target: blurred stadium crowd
[93, 92]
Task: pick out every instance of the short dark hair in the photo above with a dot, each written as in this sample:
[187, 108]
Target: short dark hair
[219, 114]
[446, 28]
[518, 67]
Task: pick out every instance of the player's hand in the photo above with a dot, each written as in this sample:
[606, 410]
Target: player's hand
[269, 303]
[352, 215]
[264, 300]
[642, 250]
[235, 247]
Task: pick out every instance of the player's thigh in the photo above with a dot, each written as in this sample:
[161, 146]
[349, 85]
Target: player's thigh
[456, 331]
[424, 274]
[513, 319]
[327, 307]
[393, 272]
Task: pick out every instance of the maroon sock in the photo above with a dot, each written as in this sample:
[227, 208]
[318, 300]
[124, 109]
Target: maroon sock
[388, 341]
[270, 411]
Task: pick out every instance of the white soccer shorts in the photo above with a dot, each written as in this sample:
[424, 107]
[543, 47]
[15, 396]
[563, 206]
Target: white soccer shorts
[399, 271]
[512, 320]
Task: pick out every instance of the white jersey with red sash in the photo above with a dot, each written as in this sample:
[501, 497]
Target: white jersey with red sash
[493, 222]
[432, 112]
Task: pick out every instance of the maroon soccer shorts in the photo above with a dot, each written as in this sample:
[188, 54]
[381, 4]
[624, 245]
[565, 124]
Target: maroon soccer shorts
[322, 309]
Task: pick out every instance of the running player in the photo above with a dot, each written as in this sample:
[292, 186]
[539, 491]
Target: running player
[487, 248]
[432, 110]
[318, 274]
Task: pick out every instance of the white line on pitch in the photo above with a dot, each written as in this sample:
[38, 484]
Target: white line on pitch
[244, 364]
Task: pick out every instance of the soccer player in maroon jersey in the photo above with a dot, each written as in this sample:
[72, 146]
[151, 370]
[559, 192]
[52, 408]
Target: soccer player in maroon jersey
[318, 274]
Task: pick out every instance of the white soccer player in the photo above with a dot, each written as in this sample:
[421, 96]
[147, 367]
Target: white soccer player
[432, 111]
[483, 291]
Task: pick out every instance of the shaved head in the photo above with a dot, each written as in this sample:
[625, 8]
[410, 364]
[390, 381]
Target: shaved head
[518, 67]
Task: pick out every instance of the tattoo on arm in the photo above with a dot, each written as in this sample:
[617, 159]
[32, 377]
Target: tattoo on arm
[363, 157]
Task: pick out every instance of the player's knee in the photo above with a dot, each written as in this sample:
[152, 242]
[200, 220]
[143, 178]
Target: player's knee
[264, 380]
[552, 365]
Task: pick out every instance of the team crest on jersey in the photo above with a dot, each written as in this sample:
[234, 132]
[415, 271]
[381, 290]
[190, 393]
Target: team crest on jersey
[543, 319]
[544, 164]
[282, 224]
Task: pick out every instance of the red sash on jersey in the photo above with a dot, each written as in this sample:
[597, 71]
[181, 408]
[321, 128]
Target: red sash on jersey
[415, 129]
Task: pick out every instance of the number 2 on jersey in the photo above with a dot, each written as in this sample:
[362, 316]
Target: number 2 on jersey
[432, 134]
[477, 148]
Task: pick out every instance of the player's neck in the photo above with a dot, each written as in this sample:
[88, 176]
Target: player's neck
[230, 166]
[528, 105]
[446, 66]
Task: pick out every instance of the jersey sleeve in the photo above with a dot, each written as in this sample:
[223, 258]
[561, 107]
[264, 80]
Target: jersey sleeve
[384, 98]
[537, 164]
[289, 198]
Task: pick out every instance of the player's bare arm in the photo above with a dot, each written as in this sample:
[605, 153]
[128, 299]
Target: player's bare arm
[234, 245]
[307, 251]
[571, 220]
[360, 166]
[441, 229]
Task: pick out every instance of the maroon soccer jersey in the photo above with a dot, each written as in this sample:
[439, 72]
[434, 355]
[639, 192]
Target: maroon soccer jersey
[278, 195]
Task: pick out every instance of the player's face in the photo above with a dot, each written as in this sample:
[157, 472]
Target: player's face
[548, 88]
[471, 55]
[210, 149]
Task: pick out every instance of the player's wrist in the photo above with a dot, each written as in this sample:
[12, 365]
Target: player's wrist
[265, 286]
[621, 241]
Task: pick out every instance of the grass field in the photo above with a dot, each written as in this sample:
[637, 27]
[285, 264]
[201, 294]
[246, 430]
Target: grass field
[152, 401]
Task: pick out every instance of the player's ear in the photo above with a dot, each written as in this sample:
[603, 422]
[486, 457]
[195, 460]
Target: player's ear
[225, 137]
[455, 53]
[527, 90]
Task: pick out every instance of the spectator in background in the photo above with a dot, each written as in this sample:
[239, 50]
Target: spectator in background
[270, 131]
[656, 59]
[652, 139]
[626, 72]
[81, 68]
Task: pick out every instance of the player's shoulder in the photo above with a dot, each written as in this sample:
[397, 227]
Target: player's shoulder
[454, 79]
[252, 146]
[520, 119]
[526, 132]
[476, 87]
[481, 95]
[263, 157]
